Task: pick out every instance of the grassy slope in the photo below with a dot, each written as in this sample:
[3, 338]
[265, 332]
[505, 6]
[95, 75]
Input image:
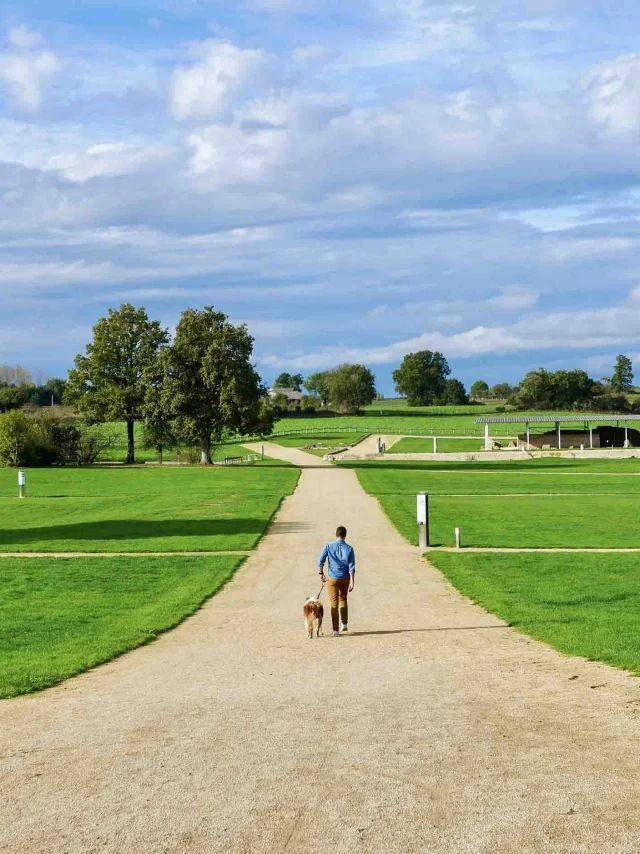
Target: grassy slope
[445, 446]
[582, 604]
[61, 616]
[170, 509]
[479, 499]
[329, 441]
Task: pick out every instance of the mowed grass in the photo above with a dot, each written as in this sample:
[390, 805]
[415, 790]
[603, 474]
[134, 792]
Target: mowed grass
[582, 604]
[445, 446]
[529, 504]
[329, 441]
[61, 616]
[107, 509]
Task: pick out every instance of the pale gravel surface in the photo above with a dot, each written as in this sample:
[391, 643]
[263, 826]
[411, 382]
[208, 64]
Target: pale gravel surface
[431, 728]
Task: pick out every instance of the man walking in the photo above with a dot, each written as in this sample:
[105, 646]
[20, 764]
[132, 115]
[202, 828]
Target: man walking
[340, 578]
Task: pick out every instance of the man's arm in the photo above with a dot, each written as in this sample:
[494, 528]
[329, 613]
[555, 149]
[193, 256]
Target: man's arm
[321, 561]
[352, 570]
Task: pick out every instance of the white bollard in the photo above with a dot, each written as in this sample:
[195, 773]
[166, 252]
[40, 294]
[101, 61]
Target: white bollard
[423, 519]
[22, 484]
[457, 538]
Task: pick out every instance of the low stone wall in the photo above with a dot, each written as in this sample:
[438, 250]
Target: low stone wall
[493, 456]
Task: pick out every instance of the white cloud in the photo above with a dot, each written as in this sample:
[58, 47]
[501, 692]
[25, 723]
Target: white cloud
[310, 53]
[514, 298]
[616, 325]
[108, 160]
[25, 70]
[206, 89]
[613, 89]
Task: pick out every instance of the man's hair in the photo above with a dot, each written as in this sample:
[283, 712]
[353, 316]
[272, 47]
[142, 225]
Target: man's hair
[341, 532]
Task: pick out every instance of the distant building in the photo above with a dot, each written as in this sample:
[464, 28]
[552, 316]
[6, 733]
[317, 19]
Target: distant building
[294, 398]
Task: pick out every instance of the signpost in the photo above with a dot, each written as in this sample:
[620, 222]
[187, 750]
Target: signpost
[423, 519]
[22, 484]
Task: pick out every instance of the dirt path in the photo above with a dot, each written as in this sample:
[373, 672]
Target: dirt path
[430, 728]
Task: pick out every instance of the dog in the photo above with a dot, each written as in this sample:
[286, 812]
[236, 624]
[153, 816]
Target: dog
[313, 614]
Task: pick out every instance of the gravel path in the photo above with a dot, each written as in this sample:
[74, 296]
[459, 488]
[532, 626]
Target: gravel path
[430, 728]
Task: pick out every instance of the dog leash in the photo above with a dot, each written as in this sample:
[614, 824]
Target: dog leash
[321, 589]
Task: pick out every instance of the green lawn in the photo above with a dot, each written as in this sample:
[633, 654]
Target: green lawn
[61, 616]
[445, 446]
[141, 509]
[329, 441]
[534, 503]
[582, 604]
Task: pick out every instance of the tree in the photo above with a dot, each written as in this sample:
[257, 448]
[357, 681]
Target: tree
[211, 385]
[503, 390]
[292, 381]
[110, 382]
[454, 394]
[421, 377]
[622, 378]
[479, 390]
[560, 390]
[17, 438]
[318, 385]
[158, 429]
[350, 387]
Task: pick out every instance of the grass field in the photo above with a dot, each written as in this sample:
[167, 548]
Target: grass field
[582, 604]
[533, 503]
[118, 451]
[141, 509]
[329, 441]
[61, 616]
[445, 446]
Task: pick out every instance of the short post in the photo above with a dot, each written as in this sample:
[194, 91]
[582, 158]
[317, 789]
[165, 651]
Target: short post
[423, 519]
[559, 435]
[22, 484]
[591, 437]
[626, 435]
[435, 444]
[457, 538]
[528, 435]
[582, 449]
[262, 453]
[486, 437]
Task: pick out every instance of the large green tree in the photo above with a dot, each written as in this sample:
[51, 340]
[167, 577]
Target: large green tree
[211, 384]
[479, 390]
[421, 377]
[350, 387]
[543, 389]
[622, 377]
[109, 383]
[454, 394]
[292, 381]
[318, 385]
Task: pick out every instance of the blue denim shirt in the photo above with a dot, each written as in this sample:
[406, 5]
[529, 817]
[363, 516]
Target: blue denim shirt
[342, 559]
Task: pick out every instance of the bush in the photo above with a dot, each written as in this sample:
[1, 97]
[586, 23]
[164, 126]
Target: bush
[18, 441]
[46, 440]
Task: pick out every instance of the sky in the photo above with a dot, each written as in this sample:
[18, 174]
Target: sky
[355, 181]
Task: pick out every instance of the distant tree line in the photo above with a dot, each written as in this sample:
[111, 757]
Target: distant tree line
[18, 389]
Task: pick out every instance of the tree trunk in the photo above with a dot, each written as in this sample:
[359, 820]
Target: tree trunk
[131, 456]
[205, 457]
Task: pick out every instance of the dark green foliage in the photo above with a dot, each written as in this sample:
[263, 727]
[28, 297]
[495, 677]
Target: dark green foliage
[479, 390]
[211, 386]
[543, 389]
[109, 383]
[422, 377]
[454, 394]
[622, 377]
[290, 381]
[350, 388]
[318, 385]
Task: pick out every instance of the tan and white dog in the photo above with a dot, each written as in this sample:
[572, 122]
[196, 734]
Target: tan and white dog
[313, 613]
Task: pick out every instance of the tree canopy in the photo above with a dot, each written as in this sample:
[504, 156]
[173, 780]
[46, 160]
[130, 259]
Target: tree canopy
[479, 389]
[421, 377]
[350, 387]
[211, 385]
[292, 381]
[543, 389]
[109, 383]
[622, 377]
[318, 385]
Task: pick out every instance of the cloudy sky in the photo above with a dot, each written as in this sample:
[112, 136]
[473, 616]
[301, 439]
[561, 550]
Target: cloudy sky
[355, 180]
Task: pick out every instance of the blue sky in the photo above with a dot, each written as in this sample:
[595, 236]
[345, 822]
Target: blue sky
[354, 181]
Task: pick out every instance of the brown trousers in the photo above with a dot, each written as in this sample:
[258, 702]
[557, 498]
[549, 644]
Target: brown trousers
[338, 589]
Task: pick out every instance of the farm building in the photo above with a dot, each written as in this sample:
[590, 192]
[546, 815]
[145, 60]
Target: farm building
[293, 397]
[603, 437]
[591, 433]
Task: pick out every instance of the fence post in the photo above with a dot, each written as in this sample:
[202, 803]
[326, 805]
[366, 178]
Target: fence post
[22, 484]
[423, 519]
[457, 538]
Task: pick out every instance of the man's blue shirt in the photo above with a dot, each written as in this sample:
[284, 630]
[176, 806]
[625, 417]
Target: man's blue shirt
[342, 559]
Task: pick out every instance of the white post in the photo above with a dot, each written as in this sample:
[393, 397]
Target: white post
[422, 507]
[486, 436]
[528, 435]
[22, 484]
[435, 444]
[559, 435]
[591, 436]
[457, 538]
[626, 434]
